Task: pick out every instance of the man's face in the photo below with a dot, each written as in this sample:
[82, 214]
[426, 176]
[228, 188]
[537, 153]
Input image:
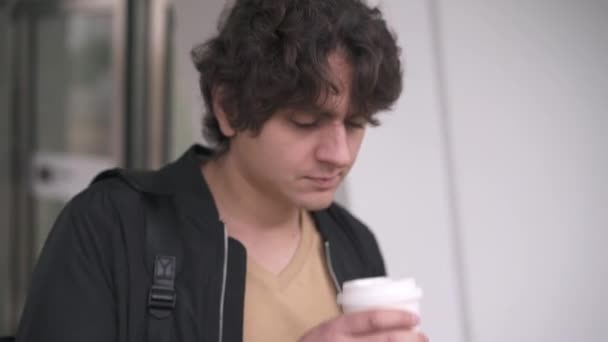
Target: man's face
[300, 157]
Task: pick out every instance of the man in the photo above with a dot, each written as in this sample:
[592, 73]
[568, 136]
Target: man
[290, 86]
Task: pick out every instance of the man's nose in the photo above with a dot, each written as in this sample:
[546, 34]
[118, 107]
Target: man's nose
[333, 146]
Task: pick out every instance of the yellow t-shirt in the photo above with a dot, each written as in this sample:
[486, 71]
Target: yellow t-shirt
[281, 308]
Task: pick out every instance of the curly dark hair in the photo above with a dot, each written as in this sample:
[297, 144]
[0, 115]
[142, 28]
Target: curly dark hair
[273, 54]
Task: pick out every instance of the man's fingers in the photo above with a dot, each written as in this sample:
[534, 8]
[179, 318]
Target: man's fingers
[394, 336]
[368, 326]
[369, 322]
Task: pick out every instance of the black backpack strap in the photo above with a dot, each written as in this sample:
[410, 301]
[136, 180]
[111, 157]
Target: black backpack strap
[163, 247]
[164, 254]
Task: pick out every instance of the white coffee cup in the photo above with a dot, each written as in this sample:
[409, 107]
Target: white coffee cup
[380, 293]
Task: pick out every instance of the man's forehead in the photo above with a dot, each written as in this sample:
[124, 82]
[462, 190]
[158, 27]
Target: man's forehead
[333, 100]
[336, 99]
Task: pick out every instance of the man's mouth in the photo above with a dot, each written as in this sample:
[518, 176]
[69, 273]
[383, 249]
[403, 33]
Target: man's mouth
[324, 182]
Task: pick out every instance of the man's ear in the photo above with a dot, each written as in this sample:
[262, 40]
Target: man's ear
[217, 96]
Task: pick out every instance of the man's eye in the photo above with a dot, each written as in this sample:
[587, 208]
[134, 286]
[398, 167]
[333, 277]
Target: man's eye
[355, 124]
[305, 123]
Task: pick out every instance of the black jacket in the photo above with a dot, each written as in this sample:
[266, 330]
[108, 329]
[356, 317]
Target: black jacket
[91, 281]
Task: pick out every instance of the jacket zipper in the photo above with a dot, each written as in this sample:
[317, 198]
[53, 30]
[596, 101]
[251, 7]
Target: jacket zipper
[330, 267]
[223, 293]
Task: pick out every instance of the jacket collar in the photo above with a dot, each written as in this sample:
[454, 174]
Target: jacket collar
[181, 176]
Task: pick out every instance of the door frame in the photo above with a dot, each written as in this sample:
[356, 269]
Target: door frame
[140, 113]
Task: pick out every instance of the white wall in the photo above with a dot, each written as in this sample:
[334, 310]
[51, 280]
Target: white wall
[527, 86]
[399, 184]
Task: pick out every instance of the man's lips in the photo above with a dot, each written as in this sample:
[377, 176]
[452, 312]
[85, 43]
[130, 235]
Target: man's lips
[325, 182]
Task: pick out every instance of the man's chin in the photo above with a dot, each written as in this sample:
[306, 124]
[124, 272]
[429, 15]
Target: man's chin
[317, 202]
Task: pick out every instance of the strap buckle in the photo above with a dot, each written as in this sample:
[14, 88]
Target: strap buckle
[161, 301]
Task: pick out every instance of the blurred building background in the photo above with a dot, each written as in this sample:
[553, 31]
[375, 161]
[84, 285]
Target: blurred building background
[487, 182]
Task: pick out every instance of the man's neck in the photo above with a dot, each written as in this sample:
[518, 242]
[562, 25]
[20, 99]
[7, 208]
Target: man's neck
[242, 205]
[269, 229]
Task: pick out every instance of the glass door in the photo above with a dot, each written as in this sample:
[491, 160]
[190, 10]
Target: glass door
[86, 89]
[67, 113]
[75, 108]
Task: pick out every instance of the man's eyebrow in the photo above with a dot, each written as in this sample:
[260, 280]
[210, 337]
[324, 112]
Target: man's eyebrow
[324, 113]
[329, 114]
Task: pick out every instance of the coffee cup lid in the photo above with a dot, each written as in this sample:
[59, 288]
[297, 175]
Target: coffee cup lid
[379, 290]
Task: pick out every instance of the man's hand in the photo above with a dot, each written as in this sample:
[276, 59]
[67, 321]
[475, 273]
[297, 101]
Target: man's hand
[368, 326]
